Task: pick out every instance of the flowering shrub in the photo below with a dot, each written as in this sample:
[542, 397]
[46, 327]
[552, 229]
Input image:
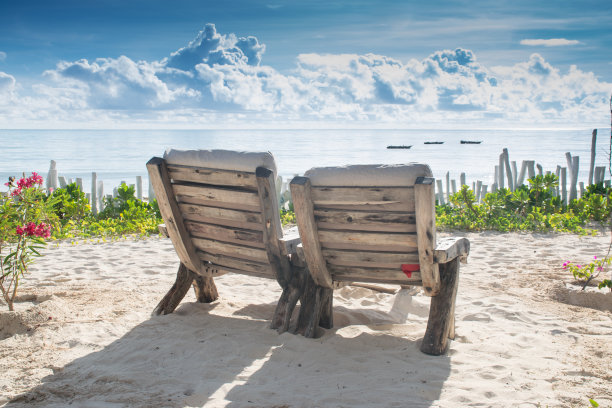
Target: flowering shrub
[26, 218]
[585, 273]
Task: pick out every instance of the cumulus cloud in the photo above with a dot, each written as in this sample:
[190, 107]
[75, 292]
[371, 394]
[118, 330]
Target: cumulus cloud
[222, 74]
[7, 83]
[552, 42]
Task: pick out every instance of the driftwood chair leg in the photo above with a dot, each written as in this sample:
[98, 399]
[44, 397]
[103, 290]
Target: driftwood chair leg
[327, 308]
[441, 312]
[285, 307]
[184, 278]
[315, 309]
[205, 289]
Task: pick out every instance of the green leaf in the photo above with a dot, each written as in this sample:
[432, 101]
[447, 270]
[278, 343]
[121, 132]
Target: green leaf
[593, 402]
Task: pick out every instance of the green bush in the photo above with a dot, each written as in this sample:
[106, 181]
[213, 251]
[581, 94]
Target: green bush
[533, 208]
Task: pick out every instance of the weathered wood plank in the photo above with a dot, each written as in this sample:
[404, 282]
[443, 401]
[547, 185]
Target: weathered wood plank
[278, 258]
[222, 216]
[360, 195]
[374, 275]
[426, 234]
[374, 241]
[224, 248]
[385, 260]
[304, 212]
[237, 263]
[218, 196]
[451, 248]
[226, 234]
[212, 176]
[366, 221]
[180, 237]
[381, 206]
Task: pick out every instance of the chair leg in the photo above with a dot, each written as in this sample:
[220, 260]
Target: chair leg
[441, 312]
[205, 289]
[327, 309]
[315, 309]
[284, 308]
[184, 279]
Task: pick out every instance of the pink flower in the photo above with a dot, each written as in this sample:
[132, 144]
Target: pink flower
[578, 266]
[595, 257]
[43, 230]
[36, 178]
[51, 190]
[19, 230]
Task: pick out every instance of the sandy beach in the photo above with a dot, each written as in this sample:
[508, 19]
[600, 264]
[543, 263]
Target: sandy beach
[83, 336]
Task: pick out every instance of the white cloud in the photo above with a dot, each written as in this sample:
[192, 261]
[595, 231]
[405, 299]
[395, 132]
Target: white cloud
[221, 78]
[552, 42]
[7, 83]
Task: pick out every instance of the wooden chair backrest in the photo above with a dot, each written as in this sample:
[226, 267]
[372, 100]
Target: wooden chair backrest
[220, 220]
[368, 224]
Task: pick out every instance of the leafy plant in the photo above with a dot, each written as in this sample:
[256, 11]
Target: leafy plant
[70, 203]
[586, 273]
[26, 217]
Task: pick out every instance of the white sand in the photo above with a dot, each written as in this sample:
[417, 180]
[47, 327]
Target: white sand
[83, 336]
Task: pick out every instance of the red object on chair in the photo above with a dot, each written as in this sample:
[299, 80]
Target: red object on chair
[409, 268]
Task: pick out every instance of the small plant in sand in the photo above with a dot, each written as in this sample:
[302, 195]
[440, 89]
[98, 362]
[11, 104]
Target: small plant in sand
[587, 272]
[26, 217]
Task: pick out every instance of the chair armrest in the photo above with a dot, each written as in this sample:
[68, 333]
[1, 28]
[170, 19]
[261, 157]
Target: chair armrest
[290, 240]
[163, 230]
[451, 248]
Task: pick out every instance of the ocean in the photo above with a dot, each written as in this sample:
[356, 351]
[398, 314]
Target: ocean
[121, 155]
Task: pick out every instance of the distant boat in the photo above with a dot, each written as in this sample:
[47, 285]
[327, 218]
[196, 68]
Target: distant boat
[399, 147]
[471, 141]
[434, 142]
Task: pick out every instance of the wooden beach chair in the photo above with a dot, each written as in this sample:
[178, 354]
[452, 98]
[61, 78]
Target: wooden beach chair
[221, 213]
[376, 223]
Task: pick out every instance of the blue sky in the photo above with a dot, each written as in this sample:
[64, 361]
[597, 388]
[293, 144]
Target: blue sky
[282, 63]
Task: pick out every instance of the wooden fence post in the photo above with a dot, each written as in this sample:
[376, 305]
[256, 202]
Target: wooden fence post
[440, 192]
[521, 177]
[462, 179]
[564, 185]
[592, 166]
[94, 193]
[500, 172]
[531, 168]
[52, 176]
[139, 187]
[508, 169]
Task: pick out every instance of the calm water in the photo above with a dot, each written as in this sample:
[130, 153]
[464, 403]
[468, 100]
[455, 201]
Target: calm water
[118, 155]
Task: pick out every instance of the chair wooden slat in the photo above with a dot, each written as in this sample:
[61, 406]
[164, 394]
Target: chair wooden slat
[192, 174]
[365, 220]
[222, 216]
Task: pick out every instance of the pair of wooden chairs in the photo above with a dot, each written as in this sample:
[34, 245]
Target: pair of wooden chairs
[356, 224]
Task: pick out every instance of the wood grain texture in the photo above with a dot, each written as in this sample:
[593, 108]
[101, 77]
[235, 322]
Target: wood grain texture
[179, 173]
[278, 258]
[374, 275]
[440, 325]
[224, 248]
[184, 279]
[426, 234]
[385, 260]
[168, 206]
[365, 220]
[226, 234]
[361, 195]
[238, 264]
[220, 197]
[304, 212]
[372, 241]
[222, 216]
[450, 248]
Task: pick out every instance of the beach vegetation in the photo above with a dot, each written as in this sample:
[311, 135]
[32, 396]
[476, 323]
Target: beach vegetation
[26, 219]
[585, 273]
[529, 208]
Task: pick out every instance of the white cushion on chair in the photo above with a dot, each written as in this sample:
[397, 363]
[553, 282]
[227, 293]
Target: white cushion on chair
[369, 175]
[221, 159]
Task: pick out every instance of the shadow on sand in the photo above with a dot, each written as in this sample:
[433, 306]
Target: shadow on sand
[196, 358]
